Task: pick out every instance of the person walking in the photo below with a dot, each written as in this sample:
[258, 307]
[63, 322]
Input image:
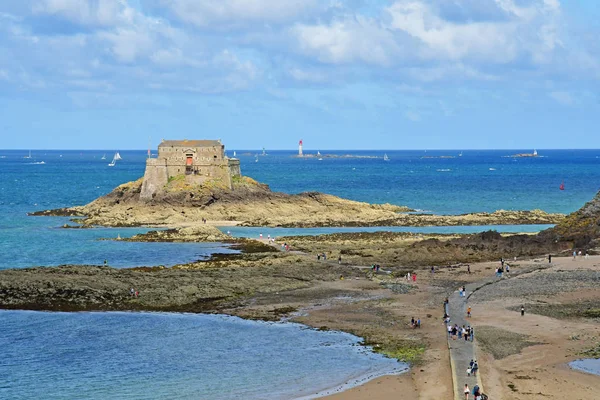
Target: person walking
[472, 333]
[522, 311]
[469, 312]
[467, 391]
[574, 255]
[475, 368]
[549, 258]
[340, 260]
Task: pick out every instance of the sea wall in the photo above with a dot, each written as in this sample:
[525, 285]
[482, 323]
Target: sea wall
[155, 178]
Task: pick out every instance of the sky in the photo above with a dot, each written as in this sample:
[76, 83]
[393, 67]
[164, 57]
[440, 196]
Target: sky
[338, 74]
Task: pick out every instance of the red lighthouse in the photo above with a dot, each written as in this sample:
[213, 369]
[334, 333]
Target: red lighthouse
[300, 148]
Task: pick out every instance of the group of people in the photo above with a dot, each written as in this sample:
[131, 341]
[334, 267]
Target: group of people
[134, 293]
[322, 256]
[285, 246]
[477, 395]
[375, 268]
[415, 323]
[410, 277]
[465, 332]
[462, 292]
[580, 254]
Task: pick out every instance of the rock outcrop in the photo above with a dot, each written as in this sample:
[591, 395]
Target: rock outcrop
[581, 228]
[253, 204]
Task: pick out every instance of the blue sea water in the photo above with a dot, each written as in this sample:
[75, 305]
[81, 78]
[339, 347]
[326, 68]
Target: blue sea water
[156, 356]
[477, 181]
[174, 356]
[589, 365]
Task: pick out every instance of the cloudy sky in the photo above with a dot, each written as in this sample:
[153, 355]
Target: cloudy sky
[339, 74]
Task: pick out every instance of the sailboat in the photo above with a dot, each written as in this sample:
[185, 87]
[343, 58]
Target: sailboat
[264, 153]
[460, 155]
[29, 156]
[234, 153]
[103, 157]
[535, 153]
[562, 186]
[256, 158]
[385, 157]
[116, 158]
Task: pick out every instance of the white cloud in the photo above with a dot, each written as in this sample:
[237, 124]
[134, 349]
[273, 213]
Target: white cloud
[562, 97]
[88, 12]
[234, 13]
[346, 41]
[306, 75]
[413, 116]
[128, 44]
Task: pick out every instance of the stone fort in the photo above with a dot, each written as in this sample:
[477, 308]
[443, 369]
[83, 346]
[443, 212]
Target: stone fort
[195, 161]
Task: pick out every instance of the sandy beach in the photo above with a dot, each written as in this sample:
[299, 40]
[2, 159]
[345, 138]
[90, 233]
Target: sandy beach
[539, 370]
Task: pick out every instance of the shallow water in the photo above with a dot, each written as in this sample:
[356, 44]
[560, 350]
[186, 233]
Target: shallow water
[42, 241]
[253, 232]
[168, 356]
[589, 365]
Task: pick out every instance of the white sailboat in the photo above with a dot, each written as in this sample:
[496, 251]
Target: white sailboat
[116, 158]
[385, 157]
[460, 155]
[535, 152]
[264, 153]
[29, 156]
[256, 158]
[234, 153]
[103, 157]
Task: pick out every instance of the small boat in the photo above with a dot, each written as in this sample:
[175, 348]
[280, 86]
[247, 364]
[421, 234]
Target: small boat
[256, 158]
[385, 157]
[234, 153]
[264, 153]
[562, 186]
[29, 156]
[103, 157]
[460, 155]
[492, 169]
[116, 158]
[535, 153]
[320, 159]
[318, 153]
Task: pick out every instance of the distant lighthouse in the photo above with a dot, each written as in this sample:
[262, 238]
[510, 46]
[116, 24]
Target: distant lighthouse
[300, 148]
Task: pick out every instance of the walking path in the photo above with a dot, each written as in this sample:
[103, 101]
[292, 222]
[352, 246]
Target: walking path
[461, 351]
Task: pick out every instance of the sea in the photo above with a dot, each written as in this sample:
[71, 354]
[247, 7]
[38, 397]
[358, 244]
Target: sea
[157, 356]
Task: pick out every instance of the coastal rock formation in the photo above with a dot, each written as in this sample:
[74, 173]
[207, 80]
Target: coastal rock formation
[197, 233]
[581, 228]
[249, 202]
[253, 204]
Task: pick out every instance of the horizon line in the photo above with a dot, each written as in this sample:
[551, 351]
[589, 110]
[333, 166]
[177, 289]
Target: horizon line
[317, 149]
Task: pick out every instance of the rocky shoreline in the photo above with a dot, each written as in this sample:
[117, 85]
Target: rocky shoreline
[254, 204]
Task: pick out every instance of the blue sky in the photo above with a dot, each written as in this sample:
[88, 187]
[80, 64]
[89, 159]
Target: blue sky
[339, 74]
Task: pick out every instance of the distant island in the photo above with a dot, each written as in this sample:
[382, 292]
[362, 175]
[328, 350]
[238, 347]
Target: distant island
[319, 155]
[520, 155]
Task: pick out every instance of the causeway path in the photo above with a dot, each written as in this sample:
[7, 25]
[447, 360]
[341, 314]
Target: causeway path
[461, 351]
